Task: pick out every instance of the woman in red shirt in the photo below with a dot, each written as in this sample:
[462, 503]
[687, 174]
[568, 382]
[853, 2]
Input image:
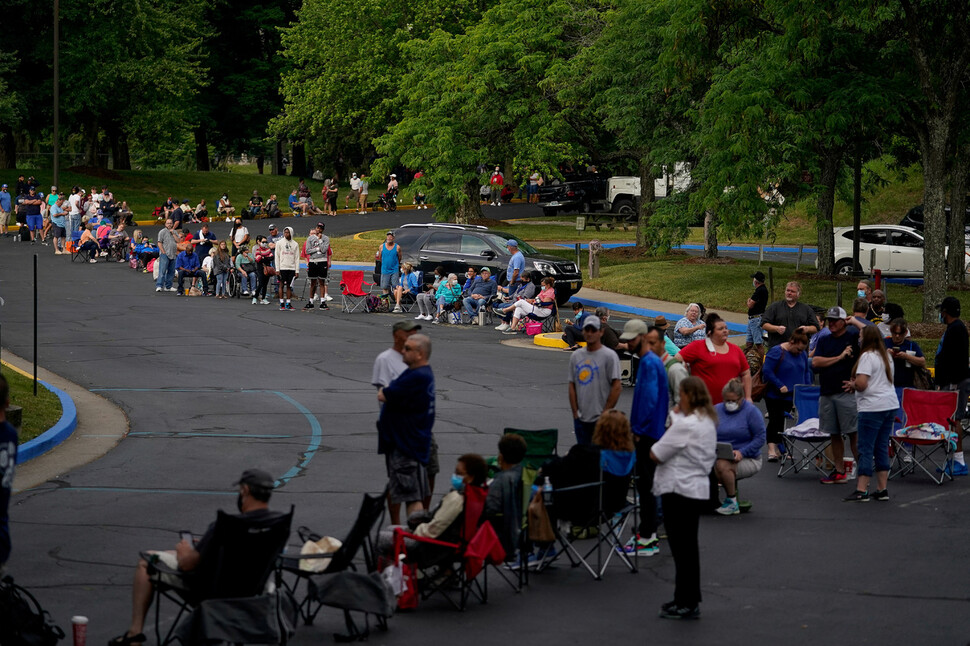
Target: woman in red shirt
[717, 361]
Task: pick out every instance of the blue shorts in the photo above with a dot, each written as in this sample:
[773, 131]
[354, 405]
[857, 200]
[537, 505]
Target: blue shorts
[755, 334]
[35, 222]
[388, 281]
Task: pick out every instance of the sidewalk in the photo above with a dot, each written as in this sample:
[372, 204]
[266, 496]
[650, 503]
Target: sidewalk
[651, 307]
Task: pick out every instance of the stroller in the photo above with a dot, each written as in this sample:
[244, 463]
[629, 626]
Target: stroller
[388, 202]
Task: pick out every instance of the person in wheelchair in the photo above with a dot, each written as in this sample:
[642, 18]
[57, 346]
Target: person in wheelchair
[444, 522]
[246, 268]
[741, 426]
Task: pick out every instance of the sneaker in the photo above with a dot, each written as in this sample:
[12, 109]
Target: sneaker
[641, 546]
[510, 331]
[282, 307]
[954, 468]
[396, 310]
[308, 307]
[857, 496]
[289, 306]
[255, 301]
[729, 507]
[170, 289]
[158, 289]
[679, 612]
[834, 478]
[324, 306]
[264, 301]
[245, 293]
[328, 297]
[881, 495]
[503, 327]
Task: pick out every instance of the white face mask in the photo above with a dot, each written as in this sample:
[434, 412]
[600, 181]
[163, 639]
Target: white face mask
[732, 407]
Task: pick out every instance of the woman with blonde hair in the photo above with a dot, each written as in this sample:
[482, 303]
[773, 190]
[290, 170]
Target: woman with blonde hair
[876, 401]
[684, 457]
[408, 284]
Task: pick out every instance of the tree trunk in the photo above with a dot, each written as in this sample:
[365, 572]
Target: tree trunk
[959, 177]
[260, 160]
[298, 159]
[648, 202]
[470, 206]
[710, 234]
[124, 152]
[118, 141]
[8, 148]
[278, 167]
[90, 133]
[201, 150]
[825, 204]
[933, 147]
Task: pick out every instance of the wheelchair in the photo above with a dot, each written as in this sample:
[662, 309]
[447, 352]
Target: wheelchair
[233, 284]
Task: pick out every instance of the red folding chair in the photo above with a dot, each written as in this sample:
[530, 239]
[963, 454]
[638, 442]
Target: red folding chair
[354, 290]
[926, 436]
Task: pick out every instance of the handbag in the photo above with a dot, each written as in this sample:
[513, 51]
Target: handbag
[248, 267]
[758, 387]
[269, 270]
[540, 527]
[533, 328]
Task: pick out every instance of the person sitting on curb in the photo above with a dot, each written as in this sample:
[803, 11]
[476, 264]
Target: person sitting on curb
[254, 488]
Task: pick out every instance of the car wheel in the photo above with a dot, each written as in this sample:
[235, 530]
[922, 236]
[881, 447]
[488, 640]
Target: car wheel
[843, 268]
[624, 207]
[549, 212]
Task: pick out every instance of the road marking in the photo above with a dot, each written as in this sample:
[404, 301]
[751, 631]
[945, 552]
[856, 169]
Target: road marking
[920, 501]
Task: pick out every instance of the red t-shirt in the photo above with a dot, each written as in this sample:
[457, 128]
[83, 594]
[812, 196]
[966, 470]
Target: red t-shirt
[715, 370]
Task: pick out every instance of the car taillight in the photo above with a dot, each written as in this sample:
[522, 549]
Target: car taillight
[570, 193]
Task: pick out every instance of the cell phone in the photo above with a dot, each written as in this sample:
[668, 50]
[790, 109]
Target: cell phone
[896, 348]
[187, 536]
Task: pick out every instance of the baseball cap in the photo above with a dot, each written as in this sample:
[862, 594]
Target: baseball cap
[4, 186]
[591, 321]
[321, 225]
[660, 322]
[185, 201]
[486, 269]
[758, 276]
[256, 478]
[950, 305]
[272, 226]
[512, 243]
[632, 329]
[406, 326]
[835, 313]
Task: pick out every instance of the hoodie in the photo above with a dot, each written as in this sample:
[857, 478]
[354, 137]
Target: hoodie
[287, 253]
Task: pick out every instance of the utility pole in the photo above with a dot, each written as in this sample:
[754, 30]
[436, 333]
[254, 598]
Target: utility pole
[57, 94]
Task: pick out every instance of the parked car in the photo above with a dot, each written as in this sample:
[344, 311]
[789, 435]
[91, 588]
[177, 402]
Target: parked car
[575, 193]
[898, 250]
[458, 247]
[914, 220]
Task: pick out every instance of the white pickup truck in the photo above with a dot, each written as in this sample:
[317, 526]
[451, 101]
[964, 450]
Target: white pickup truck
[623, 192]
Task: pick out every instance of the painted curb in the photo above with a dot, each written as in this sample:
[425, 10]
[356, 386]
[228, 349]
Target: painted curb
[56, 434]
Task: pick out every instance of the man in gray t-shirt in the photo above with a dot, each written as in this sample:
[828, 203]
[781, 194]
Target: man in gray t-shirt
[167, 250]
[594, 380]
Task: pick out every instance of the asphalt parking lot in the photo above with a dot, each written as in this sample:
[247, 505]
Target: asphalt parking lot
[212, 387]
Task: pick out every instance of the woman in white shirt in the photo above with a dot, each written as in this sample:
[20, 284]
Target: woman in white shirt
[875, 397]
[684, 457]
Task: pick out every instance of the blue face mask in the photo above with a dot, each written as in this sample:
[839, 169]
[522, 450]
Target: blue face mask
[941, 318]
[457, 482]
[861, 293]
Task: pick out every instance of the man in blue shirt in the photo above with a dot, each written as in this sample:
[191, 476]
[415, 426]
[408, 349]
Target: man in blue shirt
[648, 420]
[8, 457]
[482, 289]
[516, 262]
[187, 264]
[5, 206]
[389, 255]
[203, 240]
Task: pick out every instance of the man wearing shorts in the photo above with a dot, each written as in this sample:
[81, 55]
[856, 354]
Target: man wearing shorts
[33, 205]
[404, 429]
[354, 193]
[835, 355]
[288, 265]
[362, 198]
[389, 255]
[5, 205]
[317, 252]
[952, 374]
[756, 308]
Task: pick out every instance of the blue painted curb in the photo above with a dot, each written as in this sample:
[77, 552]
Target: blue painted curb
[642, 311]
[56, 434]
[697, 247]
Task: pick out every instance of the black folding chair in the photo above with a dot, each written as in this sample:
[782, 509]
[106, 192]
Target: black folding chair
[234, 564]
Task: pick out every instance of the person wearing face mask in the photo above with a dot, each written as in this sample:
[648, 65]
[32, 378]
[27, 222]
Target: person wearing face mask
[756, 308]
[952, 373]
[254, 489]
[786, 366]
[740, 436]
[263, 256]
[449, 292]
[864, 290]
[239, 236]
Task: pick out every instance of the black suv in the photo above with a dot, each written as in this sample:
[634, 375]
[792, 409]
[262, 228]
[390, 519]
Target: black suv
[458, 247]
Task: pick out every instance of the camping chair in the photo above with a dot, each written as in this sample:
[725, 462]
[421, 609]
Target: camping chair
[549, 321]
[227, 589]
[75, 245]
[354, 290]
[926, 434]
[602, 504]
[805, 443]
[463, 561]
[360, 536]
[408, 300]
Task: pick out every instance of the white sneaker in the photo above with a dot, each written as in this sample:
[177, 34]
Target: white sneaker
[171, 289]
[264, 302]
[158, 289]
[396, 310]
[255, 300]
[328, 297]
[503, 327]
[419, 317]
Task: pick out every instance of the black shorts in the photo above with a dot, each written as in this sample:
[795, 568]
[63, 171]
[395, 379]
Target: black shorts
[316, 270]
[286, 277]
[59, 232]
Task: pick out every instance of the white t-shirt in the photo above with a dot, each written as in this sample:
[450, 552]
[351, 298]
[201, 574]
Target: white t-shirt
[879, 395]
[75, 202]
[241, 234]
[387, 367]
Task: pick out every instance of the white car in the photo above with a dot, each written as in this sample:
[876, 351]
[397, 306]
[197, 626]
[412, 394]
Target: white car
[895, 249]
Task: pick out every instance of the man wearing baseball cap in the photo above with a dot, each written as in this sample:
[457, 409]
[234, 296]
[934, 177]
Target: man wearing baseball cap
[254, 489]
[482, 289]
[317, 250]
[594, 380]
[5, 206]
[516, 263]
[756, 308]
[835, 355]
[952, 373]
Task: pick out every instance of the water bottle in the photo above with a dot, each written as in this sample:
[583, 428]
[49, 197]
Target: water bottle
[547, 491]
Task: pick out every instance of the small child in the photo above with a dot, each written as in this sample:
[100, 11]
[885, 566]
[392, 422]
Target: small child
[503, 505]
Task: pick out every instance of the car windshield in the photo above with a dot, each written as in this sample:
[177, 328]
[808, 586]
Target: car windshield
[499, 239]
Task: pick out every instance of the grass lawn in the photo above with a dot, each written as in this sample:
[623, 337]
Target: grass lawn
[40, 412]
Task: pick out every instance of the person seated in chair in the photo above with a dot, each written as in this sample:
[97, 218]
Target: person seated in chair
[225, 207]
[444, 522]
[254, 490]
[255, 206]
[118, 240]
[541, 306]
[449, 293]
[201, 212]
[740, 424]
[188, 264]
[503, 504]
[482, 289]
[525, 290]
[572, 333]
[89, 243]
[408, 284]
[272, 207]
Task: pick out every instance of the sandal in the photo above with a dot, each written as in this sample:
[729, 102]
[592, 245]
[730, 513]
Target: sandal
[774, 457]
[127, 640]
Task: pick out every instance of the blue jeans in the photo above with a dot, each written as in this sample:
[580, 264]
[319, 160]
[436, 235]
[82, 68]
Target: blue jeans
[472, 305]
[249, 282]
[755, 334]
[874, 431]
[221, 284]
[166, 271]
[583, 431]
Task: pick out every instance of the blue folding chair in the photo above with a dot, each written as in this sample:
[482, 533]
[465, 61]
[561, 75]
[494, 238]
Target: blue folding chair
[804, 448]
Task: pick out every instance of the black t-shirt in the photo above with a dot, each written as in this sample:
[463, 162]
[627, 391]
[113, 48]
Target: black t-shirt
[830, 379]
[951, 355]
[760, 298]
[890, 310]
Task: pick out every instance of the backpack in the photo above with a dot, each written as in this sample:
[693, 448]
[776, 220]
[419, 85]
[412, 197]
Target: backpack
[22, 621]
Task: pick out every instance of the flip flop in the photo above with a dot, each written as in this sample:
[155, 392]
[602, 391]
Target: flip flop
[127, 640]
